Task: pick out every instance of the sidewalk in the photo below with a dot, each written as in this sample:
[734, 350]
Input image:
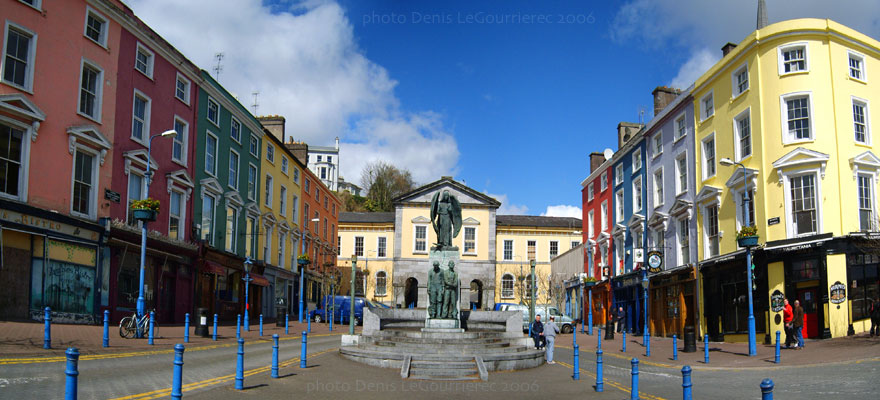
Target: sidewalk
[18, 339]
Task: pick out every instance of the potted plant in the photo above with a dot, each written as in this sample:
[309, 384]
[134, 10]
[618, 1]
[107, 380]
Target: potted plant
[303, 259]
[747, 236]
[146, 209]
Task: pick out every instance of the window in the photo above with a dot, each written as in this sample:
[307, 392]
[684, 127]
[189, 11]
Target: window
[381, 247]
[294, 206]
[270, 153]
[864, 288]
[470, 239]
[19, 55]
[637, 194]
[251, 227]
[604, 215]
[531, 246]
[508, 250]
[590, 191]
[178, 147]
[211, 154]
[296, 176]
[90, 92]
[748, 220]
[268, 193]
[140, 117]
[575, 243]
[658, 144]
[866, 204]
[231, 225]
[618, 174]
[421, 239]
[803, 204]
[684, 252]
[743, 134]
[329, 159]
[213, 112]
[12, 147]
[143, 61]
[235, 130]
[590, 221]
[707, 106]
[181, 88]
[658, 188]
[282, 200]
[554, 249]
[284, 164]
[740, 80]
[860, 121]
[709, 157]
[208, 204]
[857, 66]
[282, 241]
[712, 230]
[681, 167]
[323, 172]
[507, 286]
[305, 215]
[233, 170]
[319, 158]
[96, 27]
[84, 183]
[796, 120]
[637, 160]
[792, 58]
[136, 189]
[618, 200]
[267, 257]
[252, 182]
[381, 283]
[175, 216]
[680, 127]
[604, 178]
[660, 243]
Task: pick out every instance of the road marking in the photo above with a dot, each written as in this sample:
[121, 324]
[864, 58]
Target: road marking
[215, 381]
[613, 383]
[37, 360]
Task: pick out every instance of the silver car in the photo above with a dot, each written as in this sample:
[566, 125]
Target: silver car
[566, 324]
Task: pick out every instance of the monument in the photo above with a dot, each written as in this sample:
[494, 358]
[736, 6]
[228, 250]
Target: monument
[443, 282]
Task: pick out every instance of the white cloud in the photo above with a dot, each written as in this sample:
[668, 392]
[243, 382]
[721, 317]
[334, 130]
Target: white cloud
[699, 63]
[563, 211]
[506, 207]
[304, 60]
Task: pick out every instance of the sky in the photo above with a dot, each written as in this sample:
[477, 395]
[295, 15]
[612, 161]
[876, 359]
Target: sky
[509, 97]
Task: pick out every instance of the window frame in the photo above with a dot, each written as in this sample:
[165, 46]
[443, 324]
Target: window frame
[147, 117]
[657, 142]
[416, 239]
[684, 246]
[679, 123]
[790, 228]
[591, 219]
[282, 201]
[285, 165]
[734, 81]
[213, 219]
[231, 243]
[703, 113]
[618, 174]
[381, 248]
[232, 122]
[737, 135]
[183, 139]
[780, 50]
[550, 249]
[181, 224]
[658, 192]
[237, 180]
[270, 191]
[872, 183]
[95, 185]
[787, 137]
[504, 256]
[620, 206]
[105, 25]
[31, 61]
[254, 150]
[151, 61]
[590, 191]
[867, 116]
[703, 159]
[464, 240]
[128, 195]
[253, 186]
[270, 153]
[99, 90]
[604, 217]
[508, 293]
[679, 188]
[863, 70]
[638, 203]
[383, 286]
[707, 225]
[24, 160]
[216, 120]
[187, 90]
[603, 184]
[636, 161]
[216, 148]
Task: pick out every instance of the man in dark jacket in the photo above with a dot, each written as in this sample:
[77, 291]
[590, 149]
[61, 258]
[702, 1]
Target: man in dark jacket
[875, 318]
[538, 332]
[620, 318]
[798, 324]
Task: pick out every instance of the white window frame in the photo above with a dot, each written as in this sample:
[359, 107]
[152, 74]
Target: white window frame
[183, 139]
[680, 122]
[128, 196]
[215, 121]
[150, 61]
[682, 252]
[738, 201]
[96, 184]
[659, 192]
[231, 243]
[737, 132]
[604, 181]
[657, 142]
[509, 294]
[790, 46]
[99, 95]
[637, 195]
[254, 150]
[679, 188]
[285, 163]
[704, 114]
[294, 206]
[618, 174]
[734, 80]
[863, 70]
[636, 161]
[210, 228]
[707, 245]
[866, 105]
[604, 211]
[24, 163]
[550, 249]
[270, 191]
[147, 117]
[232, 123]
[787, 137]
[590, 191]
[383, 286]
[252, 192]
[186, 91]
[282, 200]
[102, 38]
[216, 148]
[786, 185]
[591, 219]
[872, 185]
[251, 247]
[415, 238]
[464, 239]
[31, 61]
[282, 248]
[270, 153]
[381, 246]
[181, 224]
[512, 249]
[704, 162]
[619, 200]
[36, 6]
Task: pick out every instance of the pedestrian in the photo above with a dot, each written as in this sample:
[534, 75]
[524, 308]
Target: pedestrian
[798, 324]
[550, 331]
[787, 316]
[620, 318]
[875, 318]
[538, 332]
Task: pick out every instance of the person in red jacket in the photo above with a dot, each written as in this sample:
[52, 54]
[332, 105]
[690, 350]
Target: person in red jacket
[787, 317]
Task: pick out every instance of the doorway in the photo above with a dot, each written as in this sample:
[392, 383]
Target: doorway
[809, 298]
[411, 293]
[476, 295]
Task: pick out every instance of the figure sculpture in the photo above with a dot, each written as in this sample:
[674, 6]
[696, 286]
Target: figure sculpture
[450, 293]
[446, 219]
[435, 291]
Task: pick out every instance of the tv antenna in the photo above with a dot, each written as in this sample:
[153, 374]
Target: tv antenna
[256, 105]
[219, 67]
[641, 115]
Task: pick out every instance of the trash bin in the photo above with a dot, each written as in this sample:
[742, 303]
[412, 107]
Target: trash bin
[202, 322]
[280, 310]
[690, 340]
[609, 330]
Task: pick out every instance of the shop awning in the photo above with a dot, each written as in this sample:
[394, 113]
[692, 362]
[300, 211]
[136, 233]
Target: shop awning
[259, 280]
[214, 268]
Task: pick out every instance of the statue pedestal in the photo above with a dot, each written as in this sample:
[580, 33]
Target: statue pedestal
[442, 325]
[444, 257]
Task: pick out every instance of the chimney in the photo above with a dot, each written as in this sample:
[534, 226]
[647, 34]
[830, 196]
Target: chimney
[274, 124]
[727, 48]
[762, 14]
[596, 159]
[626, 131]
[300, 150]
[663, 96]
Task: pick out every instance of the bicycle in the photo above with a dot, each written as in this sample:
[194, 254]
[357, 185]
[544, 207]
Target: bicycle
[128, 326]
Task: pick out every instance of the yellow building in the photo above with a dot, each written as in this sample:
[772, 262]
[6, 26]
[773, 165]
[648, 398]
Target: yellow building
[791, 104]
[370, 236]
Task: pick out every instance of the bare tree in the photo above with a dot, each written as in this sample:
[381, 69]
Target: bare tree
[384, 182]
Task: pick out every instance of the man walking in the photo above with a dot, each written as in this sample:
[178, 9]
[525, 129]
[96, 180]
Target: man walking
[787, 316]
[875, 318]
[538, 332]
[798, 324]
[620, 318]
[550, 331]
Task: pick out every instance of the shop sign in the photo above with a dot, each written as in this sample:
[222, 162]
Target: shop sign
[112, 196]
[655, 261]
[838, 293]
[773, 221]
[42, 223]
[777, 301]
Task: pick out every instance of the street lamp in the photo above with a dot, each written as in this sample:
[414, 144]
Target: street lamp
[753, 348]
[532, 290]
[302, 272]
[140, 300]
[354, 260]
[589, 249]
[247, 280]
[646, 336]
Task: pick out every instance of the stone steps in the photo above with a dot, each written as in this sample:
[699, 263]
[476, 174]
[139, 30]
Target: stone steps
[441, 346]
[440, 364]
[416, 350]
[406, 339]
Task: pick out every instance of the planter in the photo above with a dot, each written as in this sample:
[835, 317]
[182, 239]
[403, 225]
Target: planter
[747, 241]
[302, 262]
[145, 215]
[588, 284]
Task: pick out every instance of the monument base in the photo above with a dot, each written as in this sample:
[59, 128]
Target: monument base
[442, 325]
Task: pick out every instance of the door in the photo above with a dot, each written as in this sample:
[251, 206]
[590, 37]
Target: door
[809, 302]
[166, 299]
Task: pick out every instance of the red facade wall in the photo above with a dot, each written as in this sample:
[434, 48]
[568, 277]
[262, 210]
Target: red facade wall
[596, 206]
[316, 239]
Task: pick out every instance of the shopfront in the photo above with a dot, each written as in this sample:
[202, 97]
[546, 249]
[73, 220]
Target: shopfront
[725, 297]
[220, 285]
[602, 298]
[863, 284]
[673, 301]
[628, 293]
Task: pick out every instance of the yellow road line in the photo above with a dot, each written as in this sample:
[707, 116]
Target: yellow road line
[614, 384]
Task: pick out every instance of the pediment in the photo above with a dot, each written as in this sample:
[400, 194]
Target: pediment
[619, 230]
[88, 135]
[658, 219]
[865, 162]
[252, 208]
[800, 157]
[180, 179]
[603, 238]
[283, 226]
[139, 158]
[421, 219]
[233, 199]
[470, 221]
[709, 194]
[635, 222]
[211, 185]
[736, 178]
[682, 207]
[269, 219]
[464, 194]
[19, 106]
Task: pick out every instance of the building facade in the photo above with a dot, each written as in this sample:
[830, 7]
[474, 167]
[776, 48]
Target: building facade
[324, 163]
[598, 214]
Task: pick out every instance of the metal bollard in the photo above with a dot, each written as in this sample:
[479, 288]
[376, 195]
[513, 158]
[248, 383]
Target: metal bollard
[599, 339]
[237, 326]
[767, 389]
[215, 327]
[623, 342]
[686, 383]
[577, 364]
[574, 334]
[309, 330]
[177, 379]
[239, 366]
[186, 328]
[72, 373]
[261, 325]
[305, 343]
[331, 322]
[600, 386]
[275, 356]
[777, 348]
[106, 328]
[647, 344]
[634, 395]
[286, 324]
[47, 328]
[706, 349]
[152, 325]
[674, 348]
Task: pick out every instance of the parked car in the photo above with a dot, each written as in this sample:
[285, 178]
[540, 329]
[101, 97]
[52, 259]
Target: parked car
[341, 308]
[566, 324]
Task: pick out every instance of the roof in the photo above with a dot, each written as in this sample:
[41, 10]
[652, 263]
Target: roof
[538, 221]
[366, 217]
[446, 180]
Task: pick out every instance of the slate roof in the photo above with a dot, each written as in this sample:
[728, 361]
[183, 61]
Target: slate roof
[538, 221]
[452, 182]
[366, 217]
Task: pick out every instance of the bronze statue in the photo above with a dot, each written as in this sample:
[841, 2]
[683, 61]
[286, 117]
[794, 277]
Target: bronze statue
[450, 293]
[435, 291]
[446, 219]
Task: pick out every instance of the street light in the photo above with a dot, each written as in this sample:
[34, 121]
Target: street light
[589, 249]
[140, 301]
[646, 336]
[302, 272]
[247, 280]
[753, 348]
[532, 290]
[354, 260]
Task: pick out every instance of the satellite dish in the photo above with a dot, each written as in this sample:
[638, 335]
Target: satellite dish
[608, 153]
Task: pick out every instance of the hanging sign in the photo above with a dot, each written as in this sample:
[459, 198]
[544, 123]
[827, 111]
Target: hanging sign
[655, 261]
[773, 221]
[777, 301]
[838, 293]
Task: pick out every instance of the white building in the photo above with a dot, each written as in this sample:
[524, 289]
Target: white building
[324, 162]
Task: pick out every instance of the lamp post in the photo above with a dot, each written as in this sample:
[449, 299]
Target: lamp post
[590, 290]
[140, 300]
[354, 261]
[532, 290]
[645, 283]
[247, 280]
[753, 348]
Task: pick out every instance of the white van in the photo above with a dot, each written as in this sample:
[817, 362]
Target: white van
[566, 324]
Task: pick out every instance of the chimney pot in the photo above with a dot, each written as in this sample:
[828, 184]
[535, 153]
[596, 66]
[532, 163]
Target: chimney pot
[727, 48]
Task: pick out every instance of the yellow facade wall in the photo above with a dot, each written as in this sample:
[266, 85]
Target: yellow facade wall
[776, 281]
[287, 215]
[837, 318]
[519, 265]
[370, 259]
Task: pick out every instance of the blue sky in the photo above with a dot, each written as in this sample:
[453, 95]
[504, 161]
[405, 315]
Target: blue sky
[508, 96]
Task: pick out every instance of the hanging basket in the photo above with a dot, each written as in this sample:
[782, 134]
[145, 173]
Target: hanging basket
[590, 283]
[144, 215]
[302, 262]
[747, 241]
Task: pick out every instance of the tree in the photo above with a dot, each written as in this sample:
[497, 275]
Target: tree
[351, 202]
[384, 182]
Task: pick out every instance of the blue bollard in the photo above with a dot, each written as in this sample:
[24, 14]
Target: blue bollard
[706, 349]
[309, 330]
[186, 328]
[71, 372]
[767, 389]
[599, 339]
[574, 334]
[647, 344]
[261, 325]
[239, 366]
[623, 342]
[106, 328]
[600, 386]
[47, 328]
[674, 348]
[275, 356]
[237, 326]
[331, 322]
[634, 395]
[686, 383]
[305, 343]
[177, 379]
[577, 364]
[777, 348]
[152, 318]
[215, 327]
[286, 324]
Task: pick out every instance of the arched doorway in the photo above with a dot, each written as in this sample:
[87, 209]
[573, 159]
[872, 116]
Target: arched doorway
[476, 295]
[411, 293]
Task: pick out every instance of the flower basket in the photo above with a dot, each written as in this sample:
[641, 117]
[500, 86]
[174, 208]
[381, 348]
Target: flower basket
[144, 215]
[590, 283]
[747, 241]
[146, 209]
